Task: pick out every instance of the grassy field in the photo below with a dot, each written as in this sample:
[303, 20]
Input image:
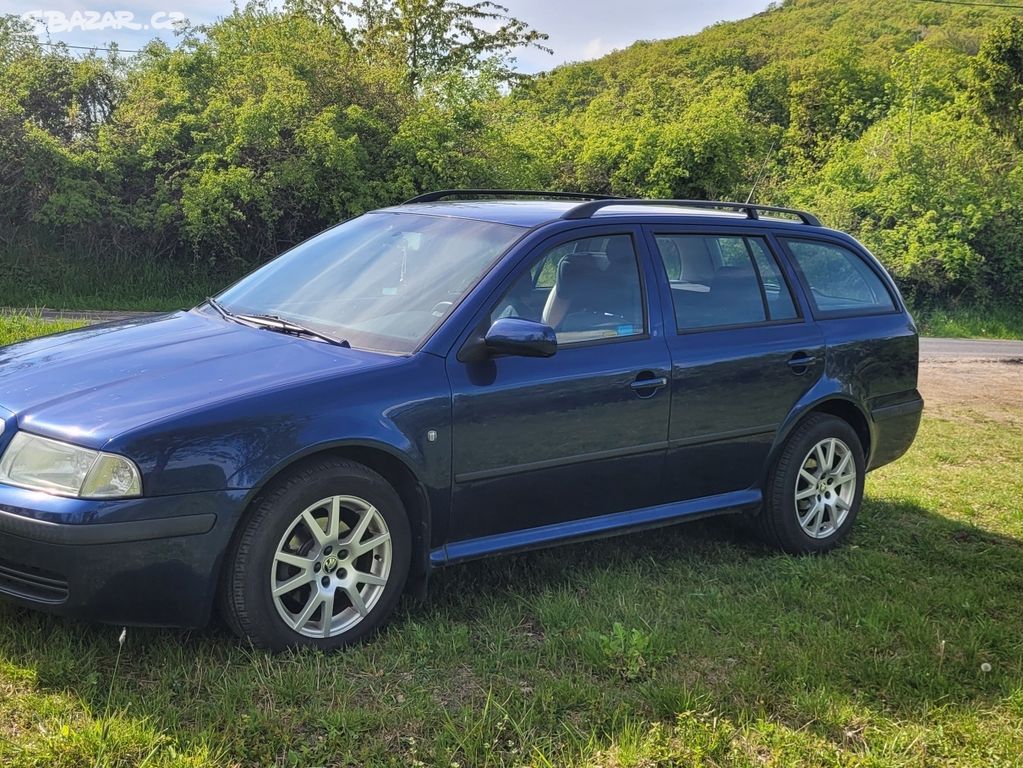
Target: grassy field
[47, 280]
[688, 646]
[994, 322]
[17, 327]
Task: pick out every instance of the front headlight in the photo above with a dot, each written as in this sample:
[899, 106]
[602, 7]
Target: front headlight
[41, 464]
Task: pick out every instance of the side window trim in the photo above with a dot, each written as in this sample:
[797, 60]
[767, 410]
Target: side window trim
[760, 278]
[783, 239]
[766, 237]
[789, 278]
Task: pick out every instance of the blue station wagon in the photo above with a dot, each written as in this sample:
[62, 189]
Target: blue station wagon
[469, 373]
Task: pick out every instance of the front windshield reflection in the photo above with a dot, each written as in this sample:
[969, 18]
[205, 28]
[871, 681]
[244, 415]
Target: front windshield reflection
[382, 281]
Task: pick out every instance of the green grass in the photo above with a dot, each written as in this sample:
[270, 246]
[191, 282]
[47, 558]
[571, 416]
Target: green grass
[999, 321]
[44, 280]
[685, 646]
[18, 327]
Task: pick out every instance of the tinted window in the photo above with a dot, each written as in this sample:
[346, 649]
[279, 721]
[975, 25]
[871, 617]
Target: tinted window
[723, 280]
[586, 289]
[839, 280]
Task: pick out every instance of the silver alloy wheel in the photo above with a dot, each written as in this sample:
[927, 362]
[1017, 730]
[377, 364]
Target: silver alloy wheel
[825, 488]
[331, 566]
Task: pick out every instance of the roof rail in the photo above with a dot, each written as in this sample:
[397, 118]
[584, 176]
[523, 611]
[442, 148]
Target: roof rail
[586, 210]
[432, 197]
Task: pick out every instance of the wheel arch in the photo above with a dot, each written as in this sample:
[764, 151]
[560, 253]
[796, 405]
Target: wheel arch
[842, 407]
[395, 469]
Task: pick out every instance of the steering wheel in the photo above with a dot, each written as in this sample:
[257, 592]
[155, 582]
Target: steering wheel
[440, 308]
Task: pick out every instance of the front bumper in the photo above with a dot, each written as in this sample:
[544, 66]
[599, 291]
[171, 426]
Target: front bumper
[151, 561]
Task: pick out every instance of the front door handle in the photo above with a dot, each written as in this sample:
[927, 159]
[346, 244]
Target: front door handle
[648, 386]
[801, 362]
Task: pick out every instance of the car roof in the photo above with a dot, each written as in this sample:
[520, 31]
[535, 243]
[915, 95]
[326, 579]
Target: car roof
[534, 213]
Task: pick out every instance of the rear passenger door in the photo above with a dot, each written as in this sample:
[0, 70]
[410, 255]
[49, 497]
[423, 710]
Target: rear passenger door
[743, 352]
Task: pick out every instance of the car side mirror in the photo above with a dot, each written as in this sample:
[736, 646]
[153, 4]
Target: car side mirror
[522, 338]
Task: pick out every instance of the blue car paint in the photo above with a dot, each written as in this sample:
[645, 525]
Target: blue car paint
[525, 451]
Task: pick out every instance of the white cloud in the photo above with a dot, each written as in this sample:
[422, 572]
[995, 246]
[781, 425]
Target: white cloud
[596, 48]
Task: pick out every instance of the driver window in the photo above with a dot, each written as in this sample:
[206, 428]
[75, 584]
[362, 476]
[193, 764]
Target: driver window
[586, 290]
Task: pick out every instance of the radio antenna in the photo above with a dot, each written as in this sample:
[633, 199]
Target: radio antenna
[760, 174]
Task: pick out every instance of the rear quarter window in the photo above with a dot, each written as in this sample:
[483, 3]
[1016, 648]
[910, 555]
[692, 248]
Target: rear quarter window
[840, 282]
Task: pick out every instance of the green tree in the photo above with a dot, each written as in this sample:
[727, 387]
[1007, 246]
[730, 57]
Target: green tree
[429, 38]
[900, 122]
[925, 205]
[998, 79]
[52, 107]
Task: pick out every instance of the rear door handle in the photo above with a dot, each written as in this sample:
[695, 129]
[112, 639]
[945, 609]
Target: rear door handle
[800, 362]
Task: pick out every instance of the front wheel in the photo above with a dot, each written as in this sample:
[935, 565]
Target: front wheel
[320, 561]
[815, 491]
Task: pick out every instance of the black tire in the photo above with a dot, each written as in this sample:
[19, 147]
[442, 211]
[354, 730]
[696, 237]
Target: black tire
[247, 604]
[778, 524]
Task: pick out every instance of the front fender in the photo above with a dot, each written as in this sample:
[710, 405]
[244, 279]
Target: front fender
[242, 444]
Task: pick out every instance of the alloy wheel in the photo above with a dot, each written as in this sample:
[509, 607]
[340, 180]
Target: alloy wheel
[825, 488]
[331, 566]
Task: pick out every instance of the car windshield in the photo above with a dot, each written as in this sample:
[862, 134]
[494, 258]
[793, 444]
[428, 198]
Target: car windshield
[382, 281]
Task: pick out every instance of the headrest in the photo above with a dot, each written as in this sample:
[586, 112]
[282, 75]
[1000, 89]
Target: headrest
[577, 271]
[619, 248]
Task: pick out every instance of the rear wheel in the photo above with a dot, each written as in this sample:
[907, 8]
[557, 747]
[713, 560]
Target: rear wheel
[320, 561]
[815, 491]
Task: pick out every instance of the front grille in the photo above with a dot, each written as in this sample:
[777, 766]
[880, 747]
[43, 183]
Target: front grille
[32, 583]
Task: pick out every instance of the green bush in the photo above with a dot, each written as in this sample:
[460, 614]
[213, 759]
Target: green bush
[176, 170]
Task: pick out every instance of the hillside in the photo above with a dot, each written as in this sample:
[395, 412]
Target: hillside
[872, 113]
[785, 39]
[798, 29]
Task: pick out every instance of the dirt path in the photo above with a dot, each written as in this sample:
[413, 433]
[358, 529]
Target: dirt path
[970, 349]
[986, 389]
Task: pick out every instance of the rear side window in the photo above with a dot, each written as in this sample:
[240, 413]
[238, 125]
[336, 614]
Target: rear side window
[840, 281]
[719, 281]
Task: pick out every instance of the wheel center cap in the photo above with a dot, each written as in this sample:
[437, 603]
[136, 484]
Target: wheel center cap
[822, 486]
[330, 564]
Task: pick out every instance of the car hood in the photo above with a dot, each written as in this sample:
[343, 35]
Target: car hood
[93, 384]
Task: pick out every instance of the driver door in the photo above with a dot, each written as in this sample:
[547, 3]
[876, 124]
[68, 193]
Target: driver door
[545, 441]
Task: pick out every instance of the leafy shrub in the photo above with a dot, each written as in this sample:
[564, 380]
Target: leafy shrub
[625, 652]
[898, 122]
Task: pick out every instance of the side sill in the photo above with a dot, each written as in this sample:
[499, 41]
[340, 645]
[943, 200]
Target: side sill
[595, 527]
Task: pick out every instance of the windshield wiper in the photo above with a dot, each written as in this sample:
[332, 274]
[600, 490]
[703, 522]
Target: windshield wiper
[219, 307]
[280, 325]
[275, 323]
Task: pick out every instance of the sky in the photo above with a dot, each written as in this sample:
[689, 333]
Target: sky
[578, 29]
